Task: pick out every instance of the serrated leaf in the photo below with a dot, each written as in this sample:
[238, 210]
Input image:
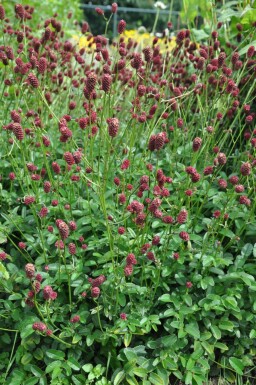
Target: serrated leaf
[237, 365]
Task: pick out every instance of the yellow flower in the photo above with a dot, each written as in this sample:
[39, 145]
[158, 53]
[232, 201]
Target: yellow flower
[84, 41]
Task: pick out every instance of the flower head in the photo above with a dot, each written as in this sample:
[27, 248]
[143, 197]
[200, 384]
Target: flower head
[160, 5]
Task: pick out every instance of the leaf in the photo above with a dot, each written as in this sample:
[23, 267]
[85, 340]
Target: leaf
[193, 330]
[127, 339]
[36, 371]
[165, 298]
[73, 364]
[216, 332]
[209, 348]
[119, 377]
[198, 379]
[31, 381]
[155, 379]
[26, 331]
[129, 366]
[227, 233]
[140, 372]
[227, 14]
[226, 325]
[221, 346]
[26, 358]
[55, 354]
[199, 34]
[130, 354]
[248, 247]
[3, 272]
[244, 50]
[237, 365]
[3, 238]
[131, 380]
[254, 250]
[52, 366]
[188, 378]
[87, 368]
[15, 296]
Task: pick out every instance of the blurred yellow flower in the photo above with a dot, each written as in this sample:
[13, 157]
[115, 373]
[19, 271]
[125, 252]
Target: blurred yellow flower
[141, 37]
[84, 41]
[144, 39]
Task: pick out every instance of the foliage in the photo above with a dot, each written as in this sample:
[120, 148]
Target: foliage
[127, 225]
[46, 9]
[134, 20]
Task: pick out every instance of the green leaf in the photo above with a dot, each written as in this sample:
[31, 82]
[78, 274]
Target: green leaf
[31, 381]
[127, 339]
[3, 272]
[188, 378]
[53, 365]
[119, 377]
[198, 379]
[165, 298]
[36, 371]
[15, 296]
[130, 354]
[227, 233]
[254, 250]
[140, 372]
[131, 380]
[221, 346]
[73, 364]
[55, 354]
[252, 333]
[26, 358]
[199, 34]
[216, 332]
[244, 50]
[129, 366]
[193, 330]
[237, 365]
[226, 325]
[87, 368]
[155, 379]
[209, 348]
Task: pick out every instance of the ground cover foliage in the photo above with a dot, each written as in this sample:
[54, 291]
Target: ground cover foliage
[127, 222]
